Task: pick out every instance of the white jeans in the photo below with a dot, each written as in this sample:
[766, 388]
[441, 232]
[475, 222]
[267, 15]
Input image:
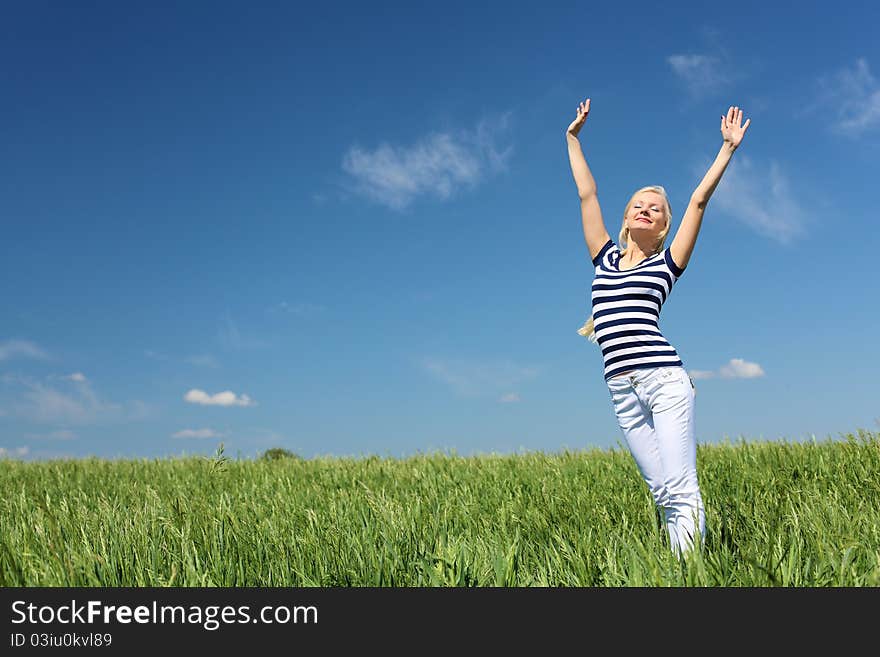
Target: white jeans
[655, 411]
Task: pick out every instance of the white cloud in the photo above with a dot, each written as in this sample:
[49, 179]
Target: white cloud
[17, 451]
[225, 398]
[79, 377]
[851, 96]
[477, 378]
[197, 433]
[737, 368]
[437, 165]
[510, 398]
[21, 348]
[759, 196]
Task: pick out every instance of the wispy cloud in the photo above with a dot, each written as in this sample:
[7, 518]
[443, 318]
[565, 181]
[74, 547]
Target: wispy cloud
[44, 404]
[260, 438]
[76, 377]
[77, 404]
[851, 96]
[702, 75]
[61, 434]
[199, 360]
[479, 378]
[737, 368]
[197, 433]
[203, 360]
[510, 398]
[759, 196]
[137, 409]
[437, 165]
[231, 338]
[710, 69]
[299, 309]
[21, 349]
[15, 452]
[225, 398]
[701, 374]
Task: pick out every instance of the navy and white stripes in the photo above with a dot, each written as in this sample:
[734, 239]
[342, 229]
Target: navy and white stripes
[626, 310]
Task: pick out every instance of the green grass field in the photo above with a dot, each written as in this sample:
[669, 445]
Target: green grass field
[778, 514]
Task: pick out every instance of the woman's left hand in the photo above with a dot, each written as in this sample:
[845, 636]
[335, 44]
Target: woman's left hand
[731, 129]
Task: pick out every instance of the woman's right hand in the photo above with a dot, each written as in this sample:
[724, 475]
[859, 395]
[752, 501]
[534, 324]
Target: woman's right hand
[582, 111]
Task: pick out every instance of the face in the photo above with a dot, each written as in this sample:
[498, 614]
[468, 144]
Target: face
[647, 214]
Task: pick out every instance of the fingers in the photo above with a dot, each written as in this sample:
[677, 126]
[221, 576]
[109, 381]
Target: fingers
[734, 118]
[734, 115]
[731, 129]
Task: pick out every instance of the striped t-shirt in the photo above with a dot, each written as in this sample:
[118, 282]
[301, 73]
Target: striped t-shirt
[626, 310]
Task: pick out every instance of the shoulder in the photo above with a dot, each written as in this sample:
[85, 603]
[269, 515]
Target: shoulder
[608, 248]
[670, 263]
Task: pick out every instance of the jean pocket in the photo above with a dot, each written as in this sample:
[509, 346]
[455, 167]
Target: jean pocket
[667, 373]
[672, 376]
[680, 375]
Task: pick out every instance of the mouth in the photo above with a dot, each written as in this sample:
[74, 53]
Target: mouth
[645, 219]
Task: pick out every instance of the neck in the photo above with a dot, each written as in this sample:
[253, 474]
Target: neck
[639, 249]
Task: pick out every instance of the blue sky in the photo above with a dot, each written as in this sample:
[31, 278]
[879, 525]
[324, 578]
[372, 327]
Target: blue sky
[354, 230]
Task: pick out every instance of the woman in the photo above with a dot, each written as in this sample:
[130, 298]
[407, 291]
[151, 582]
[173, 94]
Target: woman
[652, 394]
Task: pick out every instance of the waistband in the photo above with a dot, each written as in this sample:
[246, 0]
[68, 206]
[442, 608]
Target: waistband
[640, 376]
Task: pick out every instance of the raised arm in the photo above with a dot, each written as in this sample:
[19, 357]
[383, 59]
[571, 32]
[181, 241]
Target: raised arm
[686, 237]
[591, 214]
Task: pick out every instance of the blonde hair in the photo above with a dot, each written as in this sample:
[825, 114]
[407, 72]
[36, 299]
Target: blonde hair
[588, 330]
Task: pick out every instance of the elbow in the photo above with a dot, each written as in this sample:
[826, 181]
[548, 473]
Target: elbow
[700, 200]
[586, 193]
